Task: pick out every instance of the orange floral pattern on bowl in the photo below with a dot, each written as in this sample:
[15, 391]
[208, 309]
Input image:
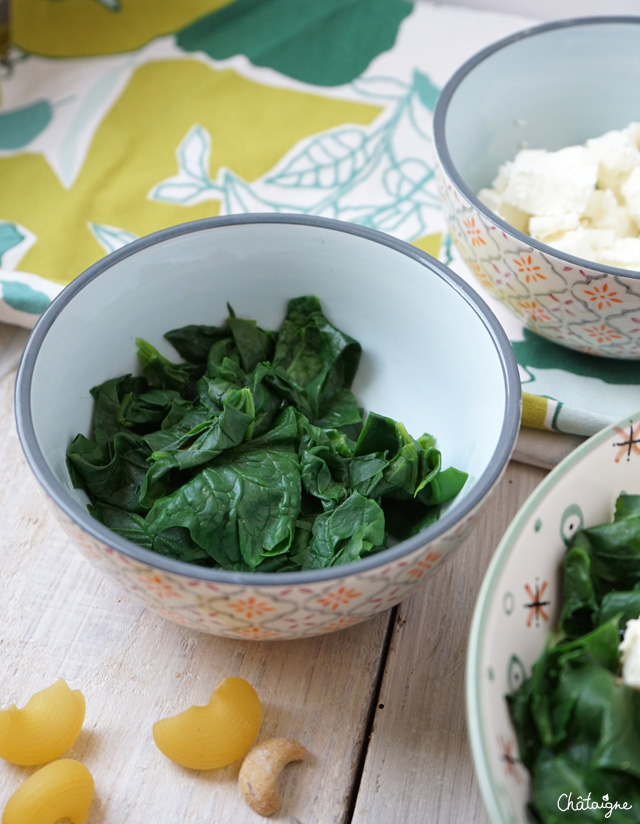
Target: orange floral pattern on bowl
[269, 612]
[577, 306]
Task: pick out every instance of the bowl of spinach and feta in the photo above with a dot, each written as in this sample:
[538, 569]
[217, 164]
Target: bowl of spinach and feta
[553, 667]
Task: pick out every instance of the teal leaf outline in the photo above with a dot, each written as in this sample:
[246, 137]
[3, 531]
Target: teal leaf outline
[111, 237]
[332, 159]
[192, 183]
[381, 88]
[238, 197]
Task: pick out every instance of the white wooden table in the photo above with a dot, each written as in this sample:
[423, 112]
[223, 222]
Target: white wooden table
[379, 707]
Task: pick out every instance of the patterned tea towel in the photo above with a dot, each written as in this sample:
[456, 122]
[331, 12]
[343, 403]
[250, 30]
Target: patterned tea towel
[121, 117]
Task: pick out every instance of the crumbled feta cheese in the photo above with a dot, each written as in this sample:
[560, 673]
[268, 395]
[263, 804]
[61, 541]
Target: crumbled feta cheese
[623, 252]
[516, 217]
[491, 198]
[545, 227]
[630, 654]
[603, 212]
[617, 154]
[502, 178]
[551, 183]
[585, 243]
[633, 129]
[630, 191]
[583, 200]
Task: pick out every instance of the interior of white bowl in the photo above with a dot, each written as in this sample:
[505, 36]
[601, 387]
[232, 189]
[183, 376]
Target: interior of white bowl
[518, 603]
[434, 355]
[544, 88]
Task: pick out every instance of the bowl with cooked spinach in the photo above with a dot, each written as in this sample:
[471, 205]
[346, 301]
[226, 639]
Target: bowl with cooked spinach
[552, 678]
[268, 426]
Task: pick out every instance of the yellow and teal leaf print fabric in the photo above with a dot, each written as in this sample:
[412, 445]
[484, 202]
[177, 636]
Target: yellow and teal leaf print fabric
[122, 117]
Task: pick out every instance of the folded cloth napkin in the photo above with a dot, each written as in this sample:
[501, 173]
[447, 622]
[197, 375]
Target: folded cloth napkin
[118, 119]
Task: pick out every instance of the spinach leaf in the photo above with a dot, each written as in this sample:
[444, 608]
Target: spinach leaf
[344, 534]
[315, 354]
[173, 543]
[613, 550]
[197, 447]
[194, 342]
[625, 604]
[580, 602]
[108, 397]
[254, 345]
[149, 407]
[162, 374]
[113, 477]
[240, 508]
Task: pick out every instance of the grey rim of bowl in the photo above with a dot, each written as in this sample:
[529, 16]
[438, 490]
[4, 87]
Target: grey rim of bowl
[473, 674]
[79, 514]
[440, 116]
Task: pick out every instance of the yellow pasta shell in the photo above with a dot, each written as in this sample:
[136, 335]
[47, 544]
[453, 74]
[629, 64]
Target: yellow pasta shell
[44, 728]
[62, 789]
[205, 738]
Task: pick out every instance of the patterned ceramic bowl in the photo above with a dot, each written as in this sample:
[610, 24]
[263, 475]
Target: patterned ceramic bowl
[548, 87]
[434, 357]
[519, 600]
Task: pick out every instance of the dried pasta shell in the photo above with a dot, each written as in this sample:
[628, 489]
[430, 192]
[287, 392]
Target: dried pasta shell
[44, 728]
[62, 789]
[205, 738]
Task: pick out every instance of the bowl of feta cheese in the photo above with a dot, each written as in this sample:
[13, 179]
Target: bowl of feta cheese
[553, 661]
[537, 142]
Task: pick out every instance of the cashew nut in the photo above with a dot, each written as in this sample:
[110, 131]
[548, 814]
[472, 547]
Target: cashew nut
[260, 770]
[44, 728]
[61, 789]
[205, 738]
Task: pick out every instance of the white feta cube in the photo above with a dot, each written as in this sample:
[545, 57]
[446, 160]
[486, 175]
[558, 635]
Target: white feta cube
[491, 199]
[585, 243]
[633, 130]
[604, 212]
[630, 654]
[515, 217]
[551, 183]
[501, 180]
[547, 227]
[623, 252]
[630, 191]
[617, 154]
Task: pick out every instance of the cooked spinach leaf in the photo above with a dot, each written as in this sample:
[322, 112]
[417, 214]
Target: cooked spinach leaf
[252, 452]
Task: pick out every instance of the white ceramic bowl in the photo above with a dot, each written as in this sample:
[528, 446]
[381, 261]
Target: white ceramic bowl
[519, 600]
[547, 87]
[434, 358]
